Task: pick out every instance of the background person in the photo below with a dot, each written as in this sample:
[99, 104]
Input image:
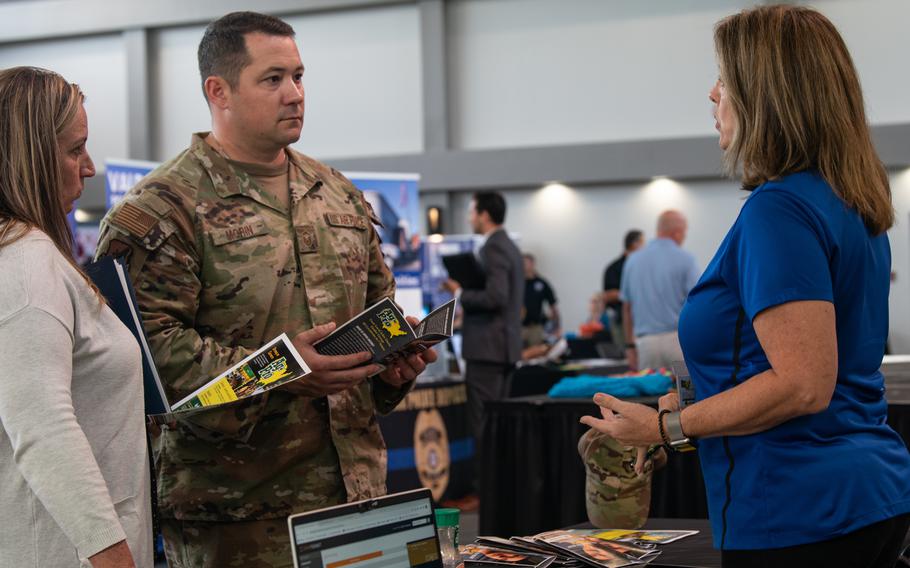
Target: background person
[597, 325]
[74, 470]
[492, 315]
[234, 241]
[537, 322]
[655, 281]
[632, 241]
[785, 331]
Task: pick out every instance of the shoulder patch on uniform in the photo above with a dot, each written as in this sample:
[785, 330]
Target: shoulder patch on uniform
[307, 241]
[134, 220]
[118, 248]
[372, 214]
[348, 220]
[155, 203]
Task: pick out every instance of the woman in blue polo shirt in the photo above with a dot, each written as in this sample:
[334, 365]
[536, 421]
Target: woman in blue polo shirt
[785, 331]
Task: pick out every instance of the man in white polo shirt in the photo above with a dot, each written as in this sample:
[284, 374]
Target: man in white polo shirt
[655, 282]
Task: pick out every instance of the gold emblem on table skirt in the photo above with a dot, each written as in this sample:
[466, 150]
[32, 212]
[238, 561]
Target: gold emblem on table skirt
[431, 452]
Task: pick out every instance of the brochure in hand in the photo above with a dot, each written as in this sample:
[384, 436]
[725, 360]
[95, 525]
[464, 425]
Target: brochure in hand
[275, 364]
[383, 330]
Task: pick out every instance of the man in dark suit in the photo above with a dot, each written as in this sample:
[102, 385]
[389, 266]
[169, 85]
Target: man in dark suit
[492, 315]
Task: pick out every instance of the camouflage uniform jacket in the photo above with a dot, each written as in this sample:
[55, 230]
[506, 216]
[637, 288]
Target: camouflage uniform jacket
[219, 268]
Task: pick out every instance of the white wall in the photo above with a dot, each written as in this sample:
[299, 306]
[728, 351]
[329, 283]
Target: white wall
[178, 107]
[98, 65]
[876, 35]
[362, 80]
[536, 72]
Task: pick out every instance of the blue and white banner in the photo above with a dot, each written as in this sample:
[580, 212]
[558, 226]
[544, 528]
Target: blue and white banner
[121, 175]
[394, 199]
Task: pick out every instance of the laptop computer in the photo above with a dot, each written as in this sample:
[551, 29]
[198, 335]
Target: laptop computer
[388, 532]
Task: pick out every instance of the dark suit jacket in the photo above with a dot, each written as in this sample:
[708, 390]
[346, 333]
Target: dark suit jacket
[492, 316]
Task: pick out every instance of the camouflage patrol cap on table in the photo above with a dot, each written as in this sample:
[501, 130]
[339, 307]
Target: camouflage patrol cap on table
[615, 496]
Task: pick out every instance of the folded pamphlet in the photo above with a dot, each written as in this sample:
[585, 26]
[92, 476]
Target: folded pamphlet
[383, 331]
[636, 537]
[275, 364]
[596, 551]
[479, 556]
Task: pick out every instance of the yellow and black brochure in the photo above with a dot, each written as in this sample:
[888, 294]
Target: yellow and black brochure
[275, 364]
[383, 330]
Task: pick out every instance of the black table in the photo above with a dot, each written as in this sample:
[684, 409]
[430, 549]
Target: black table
[533, 479]
[696, 550]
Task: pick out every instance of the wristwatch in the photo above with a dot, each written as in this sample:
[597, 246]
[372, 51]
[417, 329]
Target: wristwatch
[679, 442]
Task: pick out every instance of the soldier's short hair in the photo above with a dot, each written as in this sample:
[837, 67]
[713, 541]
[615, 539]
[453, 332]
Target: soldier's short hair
[493, 203]
[222, 51]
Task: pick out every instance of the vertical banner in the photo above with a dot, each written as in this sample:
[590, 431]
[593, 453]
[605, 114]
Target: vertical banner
[394, 199]
[121, 175]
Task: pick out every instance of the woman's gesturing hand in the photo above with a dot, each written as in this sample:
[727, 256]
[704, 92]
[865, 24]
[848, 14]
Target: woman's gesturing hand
[630, 423]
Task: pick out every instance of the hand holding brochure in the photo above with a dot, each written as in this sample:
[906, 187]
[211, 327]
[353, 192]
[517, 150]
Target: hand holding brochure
[383, 330]
[275, 364]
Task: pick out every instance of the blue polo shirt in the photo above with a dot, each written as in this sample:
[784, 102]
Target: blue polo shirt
[656, 280]
[820, 476]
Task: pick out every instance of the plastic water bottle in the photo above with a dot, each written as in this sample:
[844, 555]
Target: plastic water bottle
[447, 530]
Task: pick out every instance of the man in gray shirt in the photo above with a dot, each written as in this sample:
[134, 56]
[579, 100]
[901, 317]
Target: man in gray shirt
[655, 283]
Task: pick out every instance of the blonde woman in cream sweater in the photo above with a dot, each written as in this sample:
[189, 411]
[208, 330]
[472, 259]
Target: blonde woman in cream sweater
[74, 475]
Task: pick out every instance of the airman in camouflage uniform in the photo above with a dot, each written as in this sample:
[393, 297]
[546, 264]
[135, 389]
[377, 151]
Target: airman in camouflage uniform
[218, 271]
[220, 266]
[616, 496]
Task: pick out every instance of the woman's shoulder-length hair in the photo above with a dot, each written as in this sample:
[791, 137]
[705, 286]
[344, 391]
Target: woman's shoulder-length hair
[798, 104]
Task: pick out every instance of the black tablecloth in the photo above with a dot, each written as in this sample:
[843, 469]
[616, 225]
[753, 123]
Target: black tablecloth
[429, 441]
[533, 478]
[696, 550]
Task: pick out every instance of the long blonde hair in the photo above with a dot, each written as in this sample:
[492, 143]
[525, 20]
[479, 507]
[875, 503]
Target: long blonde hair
[799, 105]
[36, 106]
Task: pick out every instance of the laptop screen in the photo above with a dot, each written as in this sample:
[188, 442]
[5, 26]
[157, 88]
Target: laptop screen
[394, 531]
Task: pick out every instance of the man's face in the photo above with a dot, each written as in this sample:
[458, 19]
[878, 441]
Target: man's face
[266, 105]
[474, 219]
[682, 232]
[529, 267]
[637, 244]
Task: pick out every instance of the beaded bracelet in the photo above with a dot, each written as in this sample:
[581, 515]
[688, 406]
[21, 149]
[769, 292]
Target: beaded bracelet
[663, 433]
